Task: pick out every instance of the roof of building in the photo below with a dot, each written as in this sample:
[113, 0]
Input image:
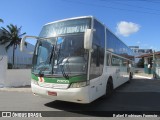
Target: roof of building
[148, 55]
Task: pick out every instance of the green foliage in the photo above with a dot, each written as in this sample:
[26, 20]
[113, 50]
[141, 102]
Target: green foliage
[1, 20]
[140, 63]
[11, 37]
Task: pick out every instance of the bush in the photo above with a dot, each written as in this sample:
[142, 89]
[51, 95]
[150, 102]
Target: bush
[140, 63]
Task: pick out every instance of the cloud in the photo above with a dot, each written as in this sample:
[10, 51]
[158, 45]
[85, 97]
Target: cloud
[127, 28]
[138, 42]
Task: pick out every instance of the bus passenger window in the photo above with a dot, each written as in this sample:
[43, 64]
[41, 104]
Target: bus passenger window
[97, 57]
[108, 59]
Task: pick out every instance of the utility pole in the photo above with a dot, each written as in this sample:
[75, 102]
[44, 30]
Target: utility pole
[154, 65]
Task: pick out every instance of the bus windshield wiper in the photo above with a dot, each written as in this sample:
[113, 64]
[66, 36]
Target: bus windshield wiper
[61, 66]
[51, 55]
[63, 72]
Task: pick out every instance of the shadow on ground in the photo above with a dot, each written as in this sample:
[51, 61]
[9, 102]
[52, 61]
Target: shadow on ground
[130, 101]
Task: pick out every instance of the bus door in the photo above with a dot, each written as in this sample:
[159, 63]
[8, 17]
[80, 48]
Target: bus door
[96, 70]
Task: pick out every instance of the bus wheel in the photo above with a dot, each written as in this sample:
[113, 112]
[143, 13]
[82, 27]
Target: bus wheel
[109, 89]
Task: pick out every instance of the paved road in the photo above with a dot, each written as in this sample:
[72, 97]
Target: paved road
[139, 95]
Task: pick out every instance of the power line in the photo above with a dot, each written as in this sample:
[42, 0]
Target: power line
[152, 1]
[114, 8]
[135, 6]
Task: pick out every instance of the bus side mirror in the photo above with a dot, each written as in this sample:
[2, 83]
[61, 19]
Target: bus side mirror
[88, 35]
[22, 44]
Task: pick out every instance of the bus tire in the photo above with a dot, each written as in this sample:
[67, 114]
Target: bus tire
[109, 89]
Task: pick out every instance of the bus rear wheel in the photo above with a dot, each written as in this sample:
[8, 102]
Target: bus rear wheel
[109, 89]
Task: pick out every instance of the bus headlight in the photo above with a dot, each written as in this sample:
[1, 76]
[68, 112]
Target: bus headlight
[79, 84]
[34, 82]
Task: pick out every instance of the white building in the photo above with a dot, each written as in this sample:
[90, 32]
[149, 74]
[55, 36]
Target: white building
[139, 51]
[21, 59]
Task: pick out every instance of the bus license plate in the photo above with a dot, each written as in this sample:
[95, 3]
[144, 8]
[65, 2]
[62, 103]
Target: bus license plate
[52, 93]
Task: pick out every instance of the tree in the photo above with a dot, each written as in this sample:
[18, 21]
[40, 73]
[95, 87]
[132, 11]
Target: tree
[11, 37]
[140, 63]
[1, 20]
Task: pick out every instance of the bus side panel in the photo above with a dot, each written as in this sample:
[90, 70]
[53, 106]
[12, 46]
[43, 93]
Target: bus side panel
[96, 88]
[124, 75]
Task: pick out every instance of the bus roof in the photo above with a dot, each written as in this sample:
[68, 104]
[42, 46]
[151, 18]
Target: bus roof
[73, 18]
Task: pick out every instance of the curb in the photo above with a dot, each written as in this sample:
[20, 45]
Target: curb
[139, 76]
[16, 90]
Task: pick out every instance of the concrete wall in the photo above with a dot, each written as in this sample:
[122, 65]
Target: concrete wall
[18, 77]
[14, 77]
[3, 65]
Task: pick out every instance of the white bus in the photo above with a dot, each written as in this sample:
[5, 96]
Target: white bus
[78, 60]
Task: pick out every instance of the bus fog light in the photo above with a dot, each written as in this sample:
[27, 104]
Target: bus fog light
[79, 84]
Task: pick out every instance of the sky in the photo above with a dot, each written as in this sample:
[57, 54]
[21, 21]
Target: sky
[135, 22]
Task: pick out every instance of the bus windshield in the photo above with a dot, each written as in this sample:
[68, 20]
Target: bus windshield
[60, 56]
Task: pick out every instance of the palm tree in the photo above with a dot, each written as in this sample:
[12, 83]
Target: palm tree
[11, 37]
[1, 20]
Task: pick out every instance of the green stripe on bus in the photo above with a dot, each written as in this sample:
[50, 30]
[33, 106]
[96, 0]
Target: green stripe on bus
[54, 80]
[34, 77]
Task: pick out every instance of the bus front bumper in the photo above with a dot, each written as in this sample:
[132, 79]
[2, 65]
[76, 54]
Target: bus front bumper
[77, 95]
